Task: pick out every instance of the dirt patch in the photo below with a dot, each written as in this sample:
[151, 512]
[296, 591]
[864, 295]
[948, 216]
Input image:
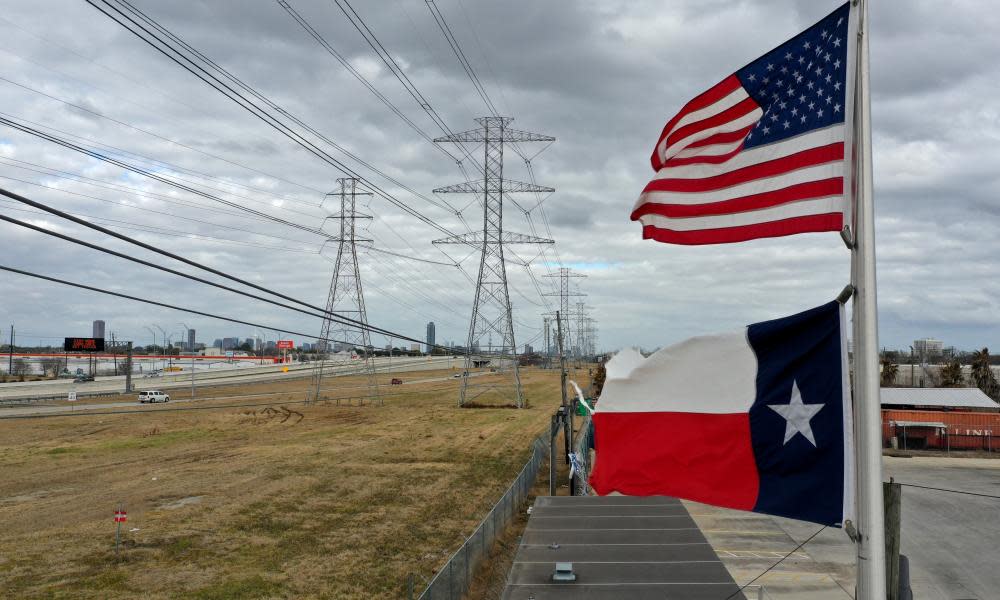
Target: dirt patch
[180, 503]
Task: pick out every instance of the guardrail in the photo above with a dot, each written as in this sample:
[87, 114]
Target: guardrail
[55, 397]
[182, 381]
[453, 579]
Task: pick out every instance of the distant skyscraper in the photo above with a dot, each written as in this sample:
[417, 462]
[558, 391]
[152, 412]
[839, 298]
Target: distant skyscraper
[190, 340]
[217, 343]
[430, 337]
[98, 329]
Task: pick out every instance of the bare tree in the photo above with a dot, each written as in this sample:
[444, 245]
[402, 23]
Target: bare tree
[20, 367]
[50, 366]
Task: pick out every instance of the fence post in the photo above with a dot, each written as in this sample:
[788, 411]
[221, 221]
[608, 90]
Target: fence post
[891, 496]
[468, 576]
[553, 428]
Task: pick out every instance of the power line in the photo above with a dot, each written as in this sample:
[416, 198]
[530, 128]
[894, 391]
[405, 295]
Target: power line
[149, 210]
[386, 57]
[249, 105]
[198, 312]
[780, 560]
[172, 232]
[165, 139]
[460, 55]
[304, 23]
[190, 262]
[145, 194]
[156, 164]
[116, 95]
[162, 304]
[154, 176]
[937, 489]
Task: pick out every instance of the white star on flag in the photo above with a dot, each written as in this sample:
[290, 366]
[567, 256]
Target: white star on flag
[797, 415]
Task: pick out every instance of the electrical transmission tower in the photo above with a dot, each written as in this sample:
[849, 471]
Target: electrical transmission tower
[346, 298]
[492, 322]
[565, 314]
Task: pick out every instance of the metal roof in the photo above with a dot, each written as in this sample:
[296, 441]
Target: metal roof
[949, 397]
[620, 547]
[918, 424]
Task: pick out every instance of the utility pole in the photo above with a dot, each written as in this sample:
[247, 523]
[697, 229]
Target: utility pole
[567, 412]
[128, 367]
[492, 318]
[546, 326]
[346, 296]
[10, 359]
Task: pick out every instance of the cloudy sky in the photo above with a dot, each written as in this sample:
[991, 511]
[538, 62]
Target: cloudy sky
[600, 76]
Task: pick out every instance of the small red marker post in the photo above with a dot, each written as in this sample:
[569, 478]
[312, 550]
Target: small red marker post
[120, 517]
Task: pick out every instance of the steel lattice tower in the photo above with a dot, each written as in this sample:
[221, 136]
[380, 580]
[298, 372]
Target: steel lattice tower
[492, 321]
[346, 296]
[565, 293]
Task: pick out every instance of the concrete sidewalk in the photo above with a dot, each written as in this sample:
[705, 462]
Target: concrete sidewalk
[749, 543]
[949, 538]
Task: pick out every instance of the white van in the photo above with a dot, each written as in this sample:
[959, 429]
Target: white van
[153, 396]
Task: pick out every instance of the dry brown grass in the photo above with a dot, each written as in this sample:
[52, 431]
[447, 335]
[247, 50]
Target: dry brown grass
[343, 502]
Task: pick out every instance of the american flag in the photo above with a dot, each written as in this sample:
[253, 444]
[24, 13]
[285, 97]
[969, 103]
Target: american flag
[760, 154]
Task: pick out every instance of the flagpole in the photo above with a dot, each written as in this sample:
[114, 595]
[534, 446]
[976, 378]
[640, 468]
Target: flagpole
[871, 572]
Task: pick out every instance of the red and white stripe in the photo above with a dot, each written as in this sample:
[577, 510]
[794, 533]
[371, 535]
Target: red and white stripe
[709, 190]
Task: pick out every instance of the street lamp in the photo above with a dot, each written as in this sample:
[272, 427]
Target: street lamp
[163, 336]
[154, 344]
[187, 333]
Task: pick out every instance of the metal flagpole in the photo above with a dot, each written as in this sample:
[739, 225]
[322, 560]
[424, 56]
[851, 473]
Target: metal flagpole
[871, 568]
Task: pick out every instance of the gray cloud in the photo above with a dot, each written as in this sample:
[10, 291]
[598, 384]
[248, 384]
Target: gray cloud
[602, 77]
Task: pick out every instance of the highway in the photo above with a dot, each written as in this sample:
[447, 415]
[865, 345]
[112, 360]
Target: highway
[20, 411]
[36, 390]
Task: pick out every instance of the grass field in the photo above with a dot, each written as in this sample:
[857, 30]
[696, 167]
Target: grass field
[340, 502]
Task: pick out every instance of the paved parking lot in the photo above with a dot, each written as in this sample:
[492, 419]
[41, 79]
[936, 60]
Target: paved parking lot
[951, 539]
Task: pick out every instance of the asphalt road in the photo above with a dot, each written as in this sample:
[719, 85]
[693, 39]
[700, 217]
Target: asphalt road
[243, 374]
[951, 539]
[179, 398]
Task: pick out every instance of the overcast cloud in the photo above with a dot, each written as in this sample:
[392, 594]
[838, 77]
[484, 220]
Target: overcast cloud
[600, 76]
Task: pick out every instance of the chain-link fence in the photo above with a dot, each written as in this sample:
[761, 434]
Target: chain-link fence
[947, 437]
[455, 577]
[582, 457]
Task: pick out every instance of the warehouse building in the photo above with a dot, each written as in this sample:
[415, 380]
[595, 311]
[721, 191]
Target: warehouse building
[940, 418]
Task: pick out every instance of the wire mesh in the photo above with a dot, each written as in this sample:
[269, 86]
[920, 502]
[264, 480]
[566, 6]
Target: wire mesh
[581, 449]
[454, 579]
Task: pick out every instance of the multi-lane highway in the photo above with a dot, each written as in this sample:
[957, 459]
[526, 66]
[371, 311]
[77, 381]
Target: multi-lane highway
[63, 408]
[55, 389]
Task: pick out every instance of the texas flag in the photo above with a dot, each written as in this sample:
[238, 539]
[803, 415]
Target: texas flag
[758, 419]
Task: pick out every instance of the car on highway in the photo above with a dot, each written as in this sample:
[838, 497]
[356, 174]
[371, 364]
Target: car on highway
[154, 373]
[83, 378]
[153, 396]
